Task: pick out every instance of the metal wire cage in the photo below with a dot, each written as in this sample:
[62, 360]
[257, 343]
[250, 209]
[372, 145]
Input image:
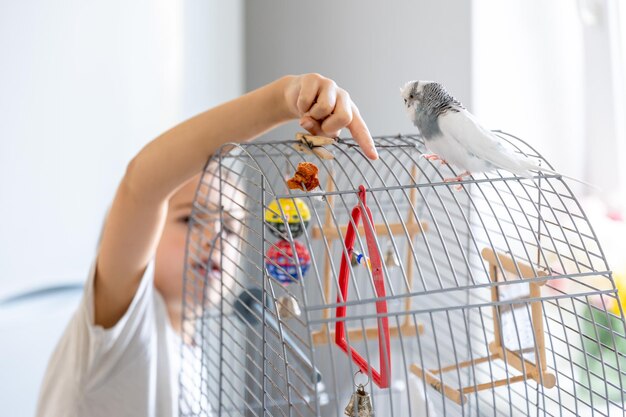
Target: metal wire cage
[489, 296]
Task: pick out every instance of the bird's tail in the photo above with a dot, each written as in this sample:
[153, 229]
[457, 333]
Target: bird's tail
[531, 165]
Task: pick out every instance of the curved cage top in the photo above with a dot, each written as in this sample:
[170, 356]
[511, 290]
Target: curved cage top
[495, 266]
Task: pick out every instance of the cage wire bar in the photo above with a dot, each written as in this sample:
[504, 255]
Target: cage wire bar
[499, 299]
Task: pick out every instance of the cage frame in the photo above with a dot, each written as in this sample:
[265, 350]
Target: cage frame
[576, 297]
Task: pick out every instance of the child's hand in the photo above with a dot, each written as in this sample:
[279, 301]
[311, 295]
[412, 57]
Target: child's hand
[324, 109]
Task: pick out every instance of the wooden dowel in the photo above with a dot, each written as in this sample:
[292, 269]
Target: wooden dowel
[331, 233]
[497, 383]
[465, 364]
[547, 379]
[450, 392]
[509, 265]
[371, 333]
[330, 186]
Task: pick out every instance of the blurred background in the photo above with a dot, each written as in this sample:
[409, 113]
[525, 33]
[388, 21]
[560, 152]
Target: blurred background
[84, 85]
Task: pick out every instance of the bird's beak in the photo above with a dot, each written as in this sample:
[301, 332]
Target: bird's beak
[405, 101]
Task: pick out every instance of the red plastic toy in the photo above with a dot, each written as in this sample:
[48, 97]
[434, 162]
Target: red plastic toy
[382, 378]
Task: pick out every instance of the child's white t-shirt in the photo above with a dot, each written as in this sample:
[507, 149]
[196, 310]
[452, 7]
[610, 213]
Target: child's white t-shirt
[130, 369]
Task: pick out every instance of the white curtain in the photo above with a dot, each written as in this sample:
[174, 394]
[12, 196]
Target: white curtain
[528, 75]
[617, 14]
[554, 74]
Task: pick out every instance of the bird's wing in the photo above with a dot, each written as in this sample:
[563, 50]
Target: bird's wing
[463, 127]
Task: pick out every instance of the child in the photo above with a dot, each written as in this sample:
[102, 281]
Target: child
[118, 354]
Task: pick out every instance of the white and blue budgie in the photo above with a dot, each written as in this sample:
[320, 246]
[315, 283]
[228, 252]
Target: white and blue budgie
[455, 136]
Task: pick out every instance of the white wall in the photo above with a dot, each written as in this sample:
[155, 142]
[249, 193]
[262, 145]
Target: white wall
[85, 85]
[371, 48]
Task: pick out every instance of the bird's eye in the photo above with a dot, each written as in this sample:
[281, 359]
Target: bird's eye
[411, 96]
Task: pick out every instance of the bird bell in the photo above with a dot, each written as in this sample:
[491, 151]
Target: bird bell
[288, 307]
[354, 258]
[391, 260]
[357, 258]
[360, 404]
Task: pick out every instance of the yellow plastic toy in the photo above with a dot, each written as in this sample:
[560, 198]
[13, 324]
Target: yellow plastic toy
[287, 212]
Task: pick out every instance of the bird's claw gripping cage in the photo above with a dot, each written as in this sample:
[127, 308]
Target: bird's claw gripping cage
[494, 299]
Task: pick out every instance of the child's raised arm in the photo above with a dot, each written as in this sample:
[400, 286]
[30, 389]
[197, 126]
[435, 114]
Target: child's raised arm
[135, 221]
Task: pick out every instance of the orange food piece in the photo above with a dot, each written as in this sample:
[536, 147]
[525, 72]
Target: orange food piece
[305, 176]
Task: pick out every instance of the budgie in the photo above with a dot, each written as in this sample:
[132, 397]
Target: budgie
[455, 136]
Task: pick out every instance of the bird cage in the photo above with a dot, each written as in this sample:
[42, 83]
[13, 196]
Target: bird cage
[490, 296]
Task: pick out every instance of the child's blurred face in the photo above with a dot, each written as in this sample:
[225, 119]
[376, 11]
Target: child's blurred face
[170, 254]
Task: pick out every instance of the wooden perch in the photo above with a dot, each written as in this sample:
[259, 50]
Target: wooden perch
[499, 264]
